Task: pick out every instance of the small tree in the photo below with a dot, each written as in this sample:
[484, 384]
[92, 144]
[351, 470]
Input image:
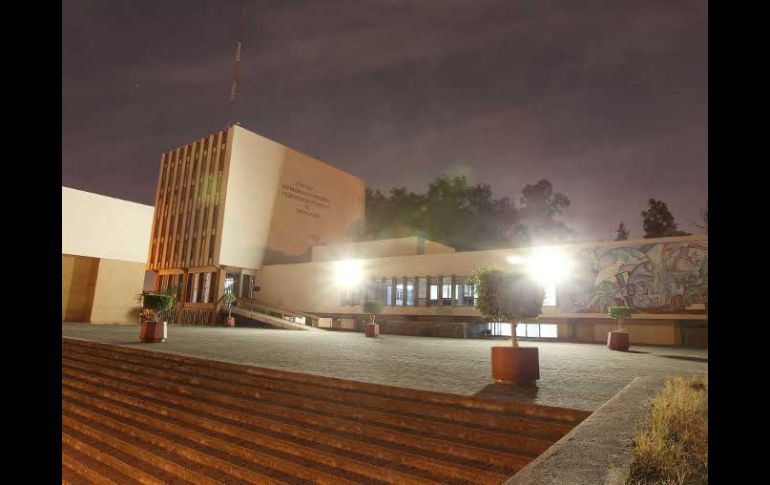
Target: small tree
[157, 306]
[228, 300]
[621, 233]
[507, 297]
[373, 308]
[620, 313]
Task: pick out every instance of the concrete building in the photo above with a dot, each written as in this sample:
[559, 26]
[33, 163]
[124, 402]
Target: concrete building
[104, 253]
[231, 202]
[235, 211]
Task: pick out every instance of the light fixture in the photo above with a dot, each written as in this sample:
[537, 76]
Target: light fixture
[348, 273]
[548, 265]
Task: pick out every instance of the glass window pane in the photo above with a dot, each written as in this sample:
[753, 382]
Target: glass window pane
[399, 294]
[388, 292]
[410, 291]
[548, 330]
[521, 330]
[434, 292]
[422, 288]
[533, 330]
[446, 291]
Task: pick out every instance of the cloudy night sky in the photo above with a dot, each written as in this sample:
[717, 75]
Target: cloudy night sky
[607, 99]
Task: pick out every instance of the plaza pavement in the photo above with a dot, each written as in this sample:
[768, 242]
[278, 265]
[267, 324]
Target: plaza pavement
[572, 375]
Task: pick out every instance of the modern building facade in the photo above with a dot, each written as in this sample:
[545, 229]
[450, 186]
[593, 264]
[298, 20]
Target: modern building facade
[231, 202]
[664, 281]
[104, 253]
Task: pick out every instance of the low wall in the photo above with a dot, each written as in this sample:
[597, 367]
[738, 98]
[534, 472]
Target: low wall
[600, 449]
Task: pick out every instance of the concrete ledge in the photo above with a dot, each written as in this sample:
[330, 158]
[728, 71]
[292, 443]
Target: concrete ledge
[600, 449]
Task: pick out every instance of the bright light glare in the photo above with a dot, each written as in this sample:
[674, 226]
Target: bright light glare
[548, 265]
[516, 260]
[348, 273]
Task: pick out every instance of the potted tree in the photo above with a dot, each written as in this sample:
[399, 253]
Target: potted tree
[510, 297]
[372, 308]
[155, 310]
[618, 338]
[228, 300]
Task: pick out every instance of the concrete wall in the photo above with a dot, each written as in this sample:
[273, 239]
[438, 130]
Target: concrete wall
[279, 203]
[100, 290]
[78, 281]
[103, 227]
[316, 204]
[406, 246]
[252, 185]
[117, 285]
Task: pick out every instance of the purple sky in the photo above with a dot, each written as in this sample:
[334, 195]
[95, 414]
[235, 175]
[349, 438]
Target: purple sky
[606, 99]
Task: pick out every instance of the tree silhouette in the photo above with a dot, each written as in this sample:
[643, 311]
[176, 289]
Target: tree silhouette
[621, 233]
[540, 206]
[658, 221]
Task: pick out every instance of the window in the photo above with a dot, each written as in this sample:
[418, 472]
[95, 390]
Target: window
[410, 291]
[232, 281]
[399, 293]
[525, 330]
[550, 295]
[388, 292]
[247, 285]
[446, 291]
[433, 289]
[458, 294]
[422, 291]
[469, 294]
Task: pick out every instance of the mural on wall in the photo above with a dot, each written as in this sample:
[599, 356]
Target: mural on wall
[650, 278]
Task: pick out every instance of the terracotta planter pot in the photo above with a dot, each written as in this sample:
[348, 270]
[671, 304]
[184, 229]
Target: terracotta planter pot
[617, 341]
[153, 332]
[229, 321]
[515, 364]
[372, 329]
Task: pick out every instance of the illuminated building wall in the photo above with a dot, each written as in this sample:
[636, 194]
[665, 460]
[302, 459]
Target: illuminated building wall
[664, 281]
[232, 201]
[104, 251]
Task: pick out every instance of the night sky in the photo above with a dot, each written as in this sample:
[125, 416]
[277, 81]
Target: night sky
[606, 99]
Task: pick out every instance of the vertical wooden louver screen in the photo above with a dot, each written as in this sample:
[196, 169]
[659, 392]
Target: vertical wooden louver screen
[188, 196]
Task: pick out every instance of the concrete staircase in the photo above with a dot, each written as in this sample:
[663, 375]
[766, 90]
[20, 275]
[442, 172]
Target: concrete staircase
[138, 416]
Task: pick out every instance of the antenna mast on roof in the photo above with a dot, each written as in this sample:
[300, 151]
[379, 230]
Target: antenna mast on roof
[237, 64]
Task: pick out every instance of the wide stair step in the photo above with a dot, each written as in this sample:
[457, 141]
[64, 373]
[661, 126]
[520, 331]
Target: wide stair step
[137, 416]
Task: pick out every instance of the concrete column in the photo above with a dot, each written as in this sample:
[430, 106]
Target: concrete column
[440, 290]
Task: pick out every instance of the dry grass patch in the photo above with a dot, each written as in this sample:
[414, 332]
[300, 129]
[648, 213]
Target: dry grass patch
[672, 444]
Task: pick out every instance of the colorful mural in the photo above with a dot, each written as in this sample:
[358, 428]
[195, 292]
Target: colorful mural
[649, 278]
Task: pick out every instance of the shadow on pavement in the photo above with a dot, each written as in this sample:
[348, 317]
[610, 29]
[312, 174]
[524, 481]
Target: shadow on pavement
[688, 358]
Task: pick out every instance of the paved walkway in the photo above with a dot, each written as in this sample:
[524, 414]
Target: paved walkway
[579, 376]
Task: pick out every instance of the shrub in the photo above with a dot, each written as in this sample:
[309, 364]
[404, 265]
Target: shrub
[619, 313]
[373, 308]
[156, 306]
[507, 297]
[671, 447]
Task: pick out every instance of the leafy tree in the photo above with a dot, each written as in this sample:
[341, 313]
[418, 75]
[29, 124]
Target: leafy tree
[507, 297]
[621, 233]
[659, 222]
[373, 308]
[540, 206]
[452, 211]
